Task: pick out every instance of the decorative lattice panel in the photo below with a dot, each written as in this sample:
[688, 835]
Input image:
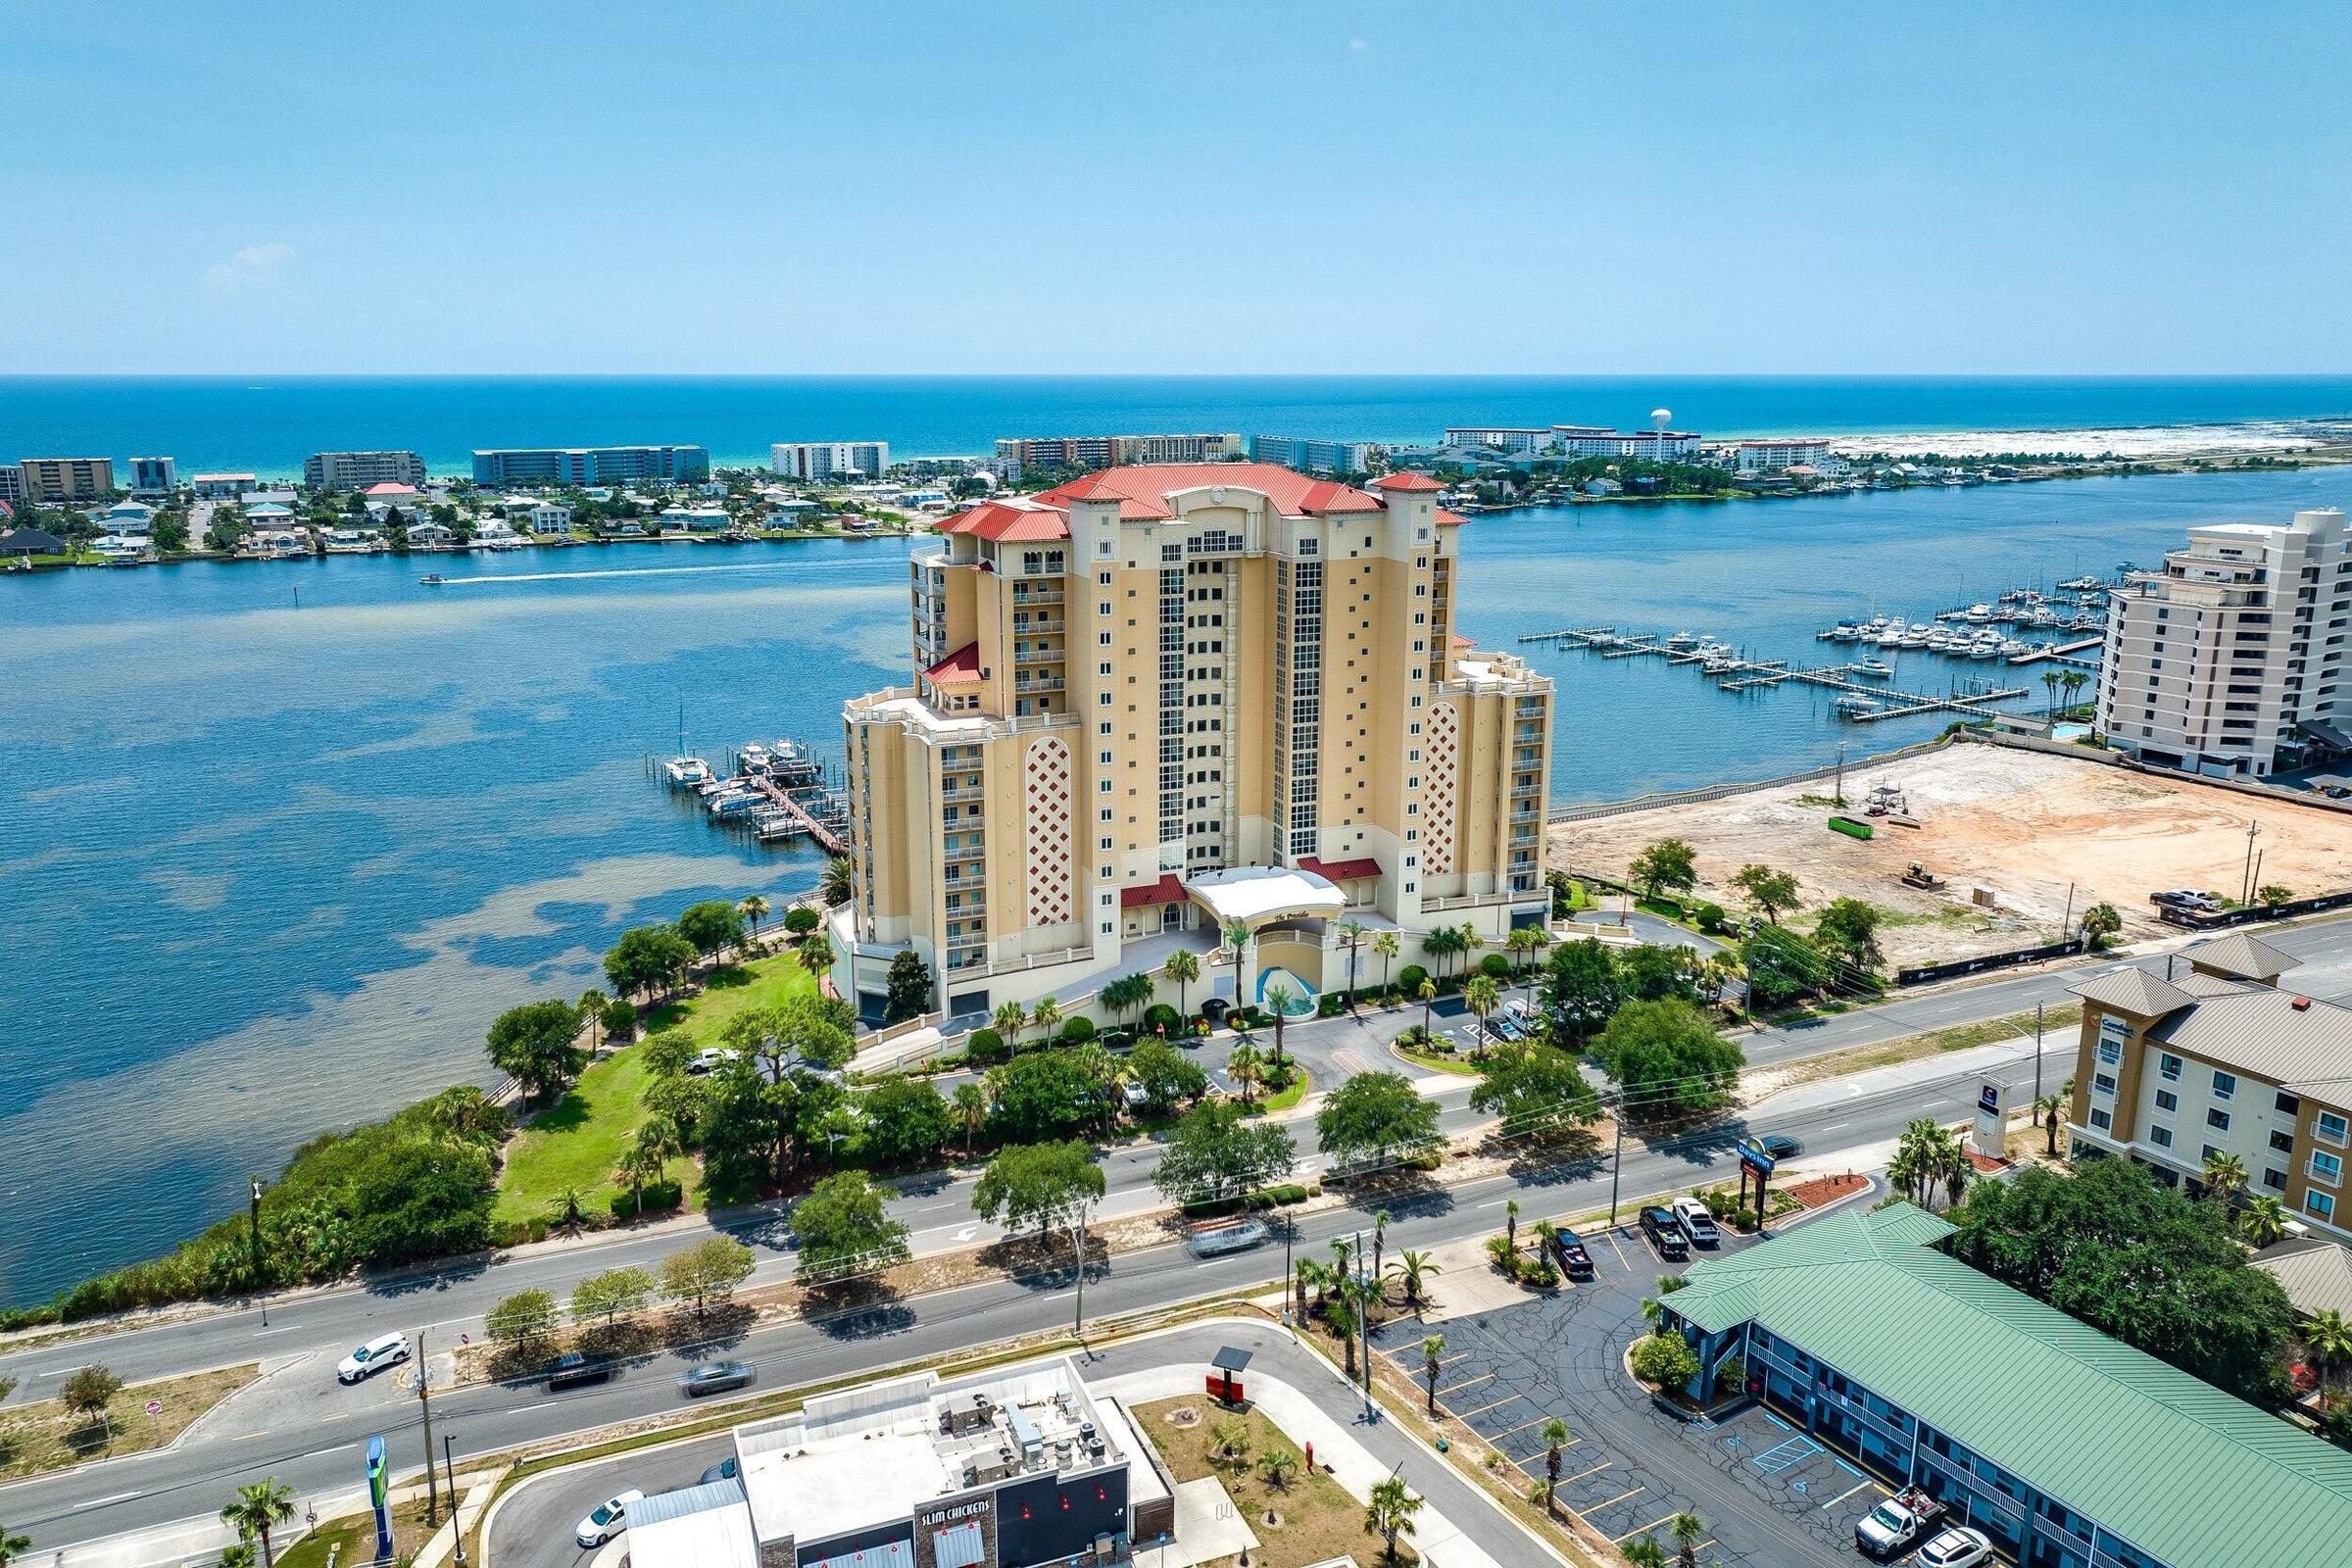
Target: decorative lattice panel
[1440, 783]
[1050, 879]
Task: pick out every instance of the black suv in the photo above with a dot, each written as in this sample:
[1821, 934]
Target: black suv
[1665, 1233]
[572, 1370]
[1574, 1260]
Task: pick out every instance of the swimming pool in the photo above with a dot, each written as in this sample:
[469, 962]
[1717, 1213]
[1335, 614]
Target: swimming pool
[1303, 995]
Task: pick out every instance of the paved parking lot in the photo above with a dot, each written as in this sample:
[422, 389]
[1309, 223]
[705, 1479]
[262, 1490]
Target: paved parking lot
[1768, 1495]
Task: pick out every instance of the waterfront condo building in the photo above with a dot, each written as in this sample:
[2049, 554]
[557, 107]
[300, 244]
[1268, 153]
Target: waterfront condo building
[360, 470]
[2234, 653]
[822, 459]
[1162, 701]
[587, 465]
[154, 477]
[12, 483]
[1776, 455]
[1102, 451]
[2220, 1059]
[1312, 456]
[60, 482]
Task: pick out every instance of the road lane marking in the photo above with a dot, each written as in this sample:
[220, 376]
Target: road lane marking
[282, 1328]
[100, 1502]
[1842, 1496]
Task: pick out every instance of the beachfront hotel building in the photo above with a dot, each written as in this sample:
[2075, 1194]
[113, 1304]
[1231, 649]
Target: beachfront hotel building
[1311, 455]
[1163, 699]
[813, 460]
[361, 470]
[587, 465]
[2233, 654]
[61, 481]
[154, 477]
[1576, 441]
[2223, 1057]
[1080, 452]
[1780, 453]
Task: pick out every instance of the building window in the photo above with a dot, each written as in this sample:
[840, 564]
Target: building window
[2165, 1099]
[2287, 1105]
[2111, 1051]
[2225, 1084]
[2169, 1065]
[2100, 1119]
[2320, 1206]
[2217, 1118]
[2102, 1083]
[2330, 1127]
[2161, 1137]
[2284, 1142]
[2274, 1179]
[2326, 1168]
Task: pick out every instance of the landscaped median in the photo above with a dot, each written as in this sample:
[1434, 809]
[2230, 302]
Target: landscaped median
[79, 1427]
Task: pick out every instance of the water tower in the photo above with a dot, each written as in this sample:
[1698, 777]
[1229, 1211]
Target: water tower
[1660, 418]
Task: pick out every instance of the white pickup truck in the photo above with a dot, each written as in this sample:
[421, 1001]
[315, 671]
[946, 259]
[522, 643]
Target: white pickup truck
[1897, 1522]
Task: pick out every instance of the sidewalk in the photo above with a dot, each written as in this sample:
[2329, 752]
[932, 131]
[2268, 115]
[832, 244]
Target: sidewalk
[1440, 1541]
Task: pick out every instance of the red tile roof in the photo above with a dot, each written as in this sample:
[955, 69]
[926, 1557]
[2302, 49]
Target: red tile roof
[1142, 488]
[1014, 520]
[1406, 481]
[1169, 889]
[1450, 519]
[1340, 871]
[388, 488]
[959, 668]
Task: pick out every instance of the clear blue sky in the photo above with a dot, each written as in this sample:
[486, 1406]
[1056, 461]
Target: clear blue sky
[1557, 185]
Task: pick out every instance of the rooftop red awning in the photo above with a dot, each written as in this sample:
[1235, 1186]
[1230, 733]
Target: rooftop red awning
[1340, 871]
[1169, 889]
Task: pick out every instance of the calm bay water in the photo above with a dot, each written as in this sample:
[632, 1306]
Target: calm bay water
[269, 424]
[271, 868]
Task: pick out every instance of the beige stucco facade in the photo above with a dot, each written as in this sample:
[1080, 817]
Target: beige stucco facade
[1161, 674]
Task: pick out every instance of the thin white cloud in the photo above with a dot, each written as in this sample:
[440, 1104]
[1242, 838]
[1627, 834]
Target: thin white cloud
[254, 269]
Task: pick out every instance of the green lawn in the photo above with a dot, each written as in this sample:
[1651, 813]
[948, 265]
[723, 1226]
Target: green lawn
[577, 1143]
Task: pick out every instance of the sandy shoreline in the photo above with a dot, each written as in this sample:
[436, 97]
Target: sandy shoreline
[2160, 441]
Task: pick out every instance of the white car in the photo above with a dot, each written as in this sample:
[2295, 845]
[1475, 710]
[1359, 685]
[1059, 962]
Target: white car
[609, 1519]
[710, 1060]
[1959, 1548]
[385, 1349]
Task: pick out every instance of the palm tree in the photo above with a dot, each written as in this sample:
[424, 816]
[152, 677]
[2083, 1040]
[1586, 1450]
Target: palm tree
[570, 1210]
[2225, 1176]
[1045, 1014]
[1484, 996]
[237, 1554]
[1643, 1552]
[1433, 1356]
[1237, 937]
[1183, 968]
[1278, 1001]
[592, 1008]
[1380, 1243]
[1312, 1273]
[1428, 994]
[1351, 932]
[261, 1507]
[2328, 1339]
[1511, 1223]
[638, 1165]
[1555, 1439]
[817, 951]
[1390, 1513]
[839, 884]
[970, 1105]
[2076, 681]
[12, 1547]
[1340, 1318]
[1471, 941]
[1413, 1272]
[1385, 945]
[2051, 680]
[1278, 1465]
[2046, 1110]
[1011, 1018]
[754, 909]
[2262, 1222]
[1436, 943]
[1687, 1533]
[1245, 1067]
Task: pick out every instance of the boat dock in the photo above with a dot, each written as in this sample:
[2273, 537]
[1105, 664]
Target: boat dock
[780, 792]
[1863, 699]
[2061, 652]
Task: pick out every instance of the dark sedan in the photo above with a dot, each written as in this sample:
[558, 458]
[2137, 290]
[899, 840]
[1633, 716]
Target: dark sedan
[716, 1377]
[1780, 1146]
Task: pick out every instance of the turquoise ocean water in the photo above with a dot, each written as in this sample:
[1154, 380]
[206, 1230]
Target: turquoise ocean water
[277, 841]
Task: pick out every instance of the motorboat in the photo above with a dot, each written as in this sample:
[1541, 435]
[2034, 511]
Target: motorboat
[1976, 615]
[1852, 704]
[687, 773]
[433, 579]
[1874, 670]
[1681, 641]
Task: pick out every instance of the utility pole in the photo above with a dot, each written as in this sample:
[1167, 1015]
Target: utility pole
[1837, 792]
[253, 1246]
[1363, 1326]
[1617, 1159]
[2066, 922]
[1289, 1277]
[2246, 886]
[2038, 1058]
[424, 1388]
[1078, 1237]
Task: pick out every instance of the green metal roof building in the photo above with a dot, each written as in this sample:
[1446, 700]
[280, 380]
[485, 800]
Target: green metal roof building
[2069, 1448]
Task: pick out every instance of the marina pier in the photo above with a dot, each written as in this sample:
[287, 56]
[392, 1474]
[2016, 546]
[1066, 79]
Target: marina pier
[1864, 698]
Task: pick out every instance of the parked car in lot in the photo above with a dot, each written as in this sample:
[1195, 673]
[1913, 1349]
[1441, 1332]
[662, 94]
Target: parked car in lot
[709, 1059]
[724, 1470]
[1568, 1249]
[1691, 1214]
[716, 1377]
[1665, 1233]
[608, 1519]
[572, 1370]
[1960, 1548]
[385, 1349]
[2188, 899]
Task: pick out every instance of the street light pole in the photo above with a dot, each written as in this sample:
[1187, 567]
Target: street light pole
[1078, 1237]
[424, 1386]
[253, 1246]
[1616, 1159]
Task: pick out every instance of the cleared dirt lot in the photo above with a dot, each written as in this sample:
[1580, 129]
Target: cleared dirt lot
[2020, 825]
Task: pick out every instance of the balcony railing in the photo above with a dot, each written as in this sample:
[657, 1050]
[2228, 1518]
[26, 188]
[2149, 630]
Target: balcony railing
[1042, 683]
[1022, 595]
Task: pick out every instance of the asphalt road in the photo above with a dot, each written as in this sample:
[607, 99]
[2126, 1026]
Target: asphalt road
[316, 1443]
